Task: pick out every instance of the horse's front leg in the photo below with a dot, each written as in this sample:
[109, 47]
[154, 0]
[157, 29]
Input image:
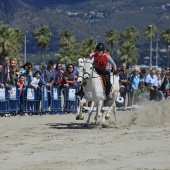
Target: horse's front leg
[90, 113]
[112, 108]
[80, 115]
[99, 108]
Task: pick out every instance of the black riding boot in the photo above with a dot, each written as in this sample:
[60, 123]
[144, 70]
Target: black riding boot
[108, 88]
[80, 93]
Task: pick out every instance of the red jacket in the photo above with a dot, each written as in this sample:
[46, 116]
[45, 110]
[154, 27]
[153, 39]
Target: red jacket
[101, 61]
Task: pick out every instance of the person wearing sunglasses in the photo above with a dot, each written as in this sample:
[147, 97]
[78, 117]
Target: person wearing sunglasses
[72, 77]
[132, 85]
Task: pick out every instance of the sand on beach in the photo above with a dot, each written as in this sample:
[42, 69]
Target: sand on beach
[139, 139]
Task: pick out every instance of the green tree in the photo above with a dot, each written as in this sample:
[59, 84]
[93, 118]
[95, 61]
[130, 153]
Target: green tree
[130, 34]
[127, 46]
[150, 31]
[42, 37]
[11, 41]
[165, 38]
[88, 46]
[69, 54]
[112, 38]
[67, 38]
[128, 53]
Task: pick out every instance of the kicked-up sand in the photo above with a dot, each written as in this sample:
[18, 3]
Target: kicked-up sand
[138, 140]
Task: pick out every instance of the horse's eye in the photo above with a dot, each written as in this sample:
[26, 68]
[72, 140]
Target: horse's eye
[91, 68]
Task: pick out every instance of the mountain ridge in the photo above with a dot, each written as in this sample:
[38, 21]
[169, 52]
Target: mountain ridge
[85, 18]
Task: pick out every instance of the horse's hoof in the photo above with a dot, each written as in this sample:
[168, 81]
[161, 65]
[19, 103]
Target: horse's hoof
[105, 126]
[107, 117]
[86, 125]
[81, 118]
[77, 118]
[93, 123]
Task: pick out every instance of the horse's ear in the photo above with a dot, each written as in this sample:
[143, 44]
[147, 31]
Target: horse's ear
[92, 59]
[84, 60]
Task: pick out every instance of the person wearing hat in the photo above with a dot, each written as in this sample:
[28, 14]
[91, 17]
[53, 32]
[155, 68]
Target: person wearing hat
[37, 80]
[42, 68]
[101, 59]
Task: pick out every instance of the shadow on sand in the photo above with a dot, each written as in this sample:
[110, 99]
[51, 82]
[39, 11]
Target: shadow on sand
[70, 126]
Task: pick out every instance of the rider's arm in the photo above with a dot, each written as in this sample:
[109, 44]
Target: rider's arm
[110, 60]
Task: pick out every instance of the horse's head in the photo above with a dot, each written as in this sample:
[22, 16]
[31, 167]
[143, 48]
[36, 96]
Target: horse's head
[88, 69]
[80, 69]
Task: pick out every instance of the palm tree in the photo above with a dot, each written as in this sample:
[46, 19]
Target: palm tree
[150, 31]
[128, 53]
[165, 37]
[112, 37]
[42, 37]
[66, 38]
[70, 54]
[130, 34]
[88, 46]
[11, 41]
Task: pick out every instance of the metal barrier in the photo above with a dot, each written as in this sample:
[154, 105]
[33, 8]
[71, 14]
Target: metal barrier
[4, 101]
[14, 99]
[36, 101]
[71, 101]
[45, 99]
[56, 100]
[31, 100]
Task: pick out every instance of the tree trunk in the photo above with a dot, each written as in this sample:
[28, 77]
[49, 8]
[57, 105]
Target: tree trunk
[41, 55]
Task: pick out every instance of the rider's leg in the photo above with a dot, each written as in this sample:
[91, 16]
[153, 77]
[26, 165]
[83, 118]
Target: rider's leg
[108, 83]
[80, 92]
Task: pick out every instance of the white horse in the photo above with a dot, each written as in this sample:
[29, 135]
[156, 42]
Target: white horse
[95, 92]
[80, 81]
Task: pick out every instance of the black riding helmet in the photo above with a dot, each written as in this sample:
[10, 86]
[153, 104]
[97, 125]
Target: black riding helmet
[100, 46]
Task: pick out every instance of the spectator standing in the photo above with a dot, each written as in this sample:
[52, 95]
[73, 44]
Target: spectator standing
[167, 85]
[49, 77]
[150, 82]
[5, 72]
[13, 75]
[132, 85]
[21, 85]
[28, 73]
[49, 73]
[164, 81]
[71, 78]
[123, 79]
[13, 62]
[142, 76]
[57, 69]
[37, 80]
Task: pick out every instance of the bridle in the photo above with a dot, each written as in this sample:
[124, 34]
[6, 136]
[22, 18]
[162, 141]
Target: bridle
[93, 70]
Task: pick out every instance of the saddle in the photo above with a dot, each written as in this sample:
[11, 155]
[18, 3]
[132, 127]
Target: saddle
[103, 81]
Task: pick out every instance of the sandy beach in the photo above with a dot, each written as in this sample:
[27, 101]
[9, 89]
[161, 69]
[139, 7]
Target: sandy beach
[138, 140]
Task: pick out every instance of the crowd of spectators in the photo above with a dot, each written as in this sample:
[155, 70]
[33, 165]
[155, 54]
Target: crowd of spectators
[14, 72]
[140, 85]
[134, 86]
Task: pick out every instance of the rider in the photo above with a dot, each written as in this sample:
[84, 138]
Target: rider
[101, 58]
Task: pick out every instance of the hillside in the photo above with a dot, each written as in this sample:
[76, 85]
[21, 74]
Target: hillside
[85, 18]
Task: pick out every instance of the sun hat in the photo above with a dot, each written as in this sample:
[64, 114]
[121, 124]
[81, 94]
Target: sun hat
[44, 64]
